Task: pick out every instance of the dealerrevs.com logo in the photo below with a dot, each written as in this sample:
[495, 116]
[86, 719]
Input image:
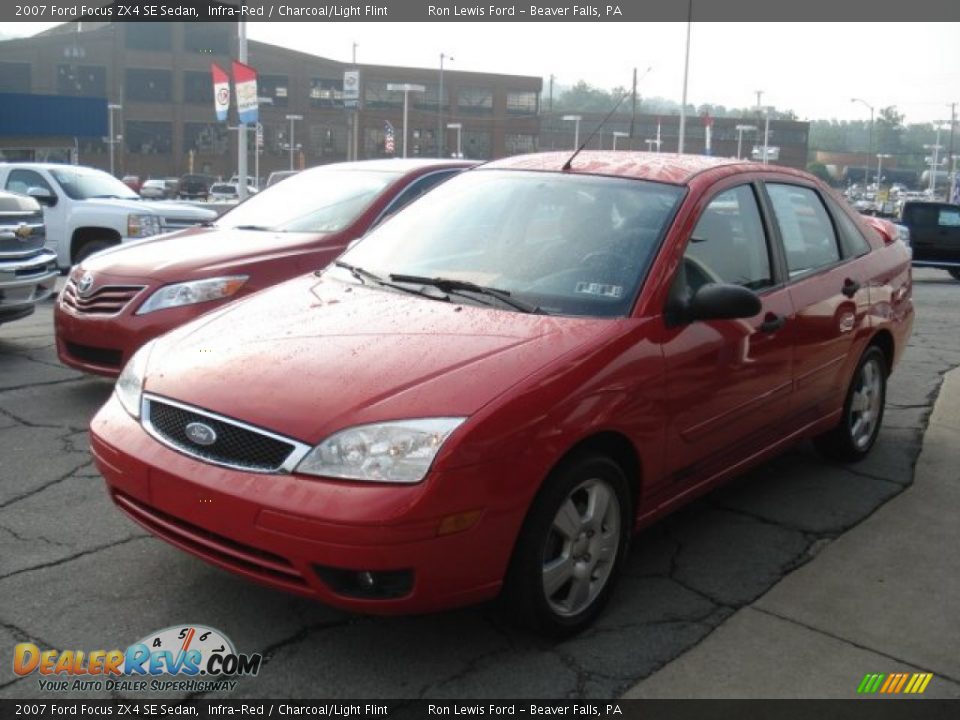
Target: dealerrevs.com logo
[185, 658]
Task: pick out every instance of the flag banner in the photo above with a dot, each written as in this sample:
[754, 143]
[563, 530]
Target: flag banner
[245, 86]
[389, 138]
[221, 91]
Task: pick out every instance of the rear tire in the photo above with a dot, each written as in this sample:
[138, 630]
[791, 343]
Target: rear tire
[89, 248]
[571, 548]
[852, 439]
[955, 273]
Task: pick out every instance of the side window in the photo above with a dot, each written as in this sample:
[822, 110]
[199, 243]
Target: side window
[949, 217]
[19, 181]
[415, 190]
[852, 241]
[922, 215]
[808, 236]
[728, 244]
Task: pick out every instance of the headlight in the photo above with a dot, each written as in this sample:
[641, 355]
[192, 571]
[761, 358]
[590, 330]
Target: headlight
[189, 293]
[129, 387]
[903, 234]
[140, 226]
[400, 451]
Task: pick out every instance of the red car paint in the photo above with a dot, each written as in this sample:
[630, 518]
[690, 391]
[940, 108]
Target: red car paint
[100, 338]
[681, 406]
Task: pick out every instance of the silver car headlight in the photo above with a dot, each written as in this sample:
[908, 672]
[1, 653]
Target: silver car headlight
[399, 451]
[196, 291]
[143, 225]
[129, 387]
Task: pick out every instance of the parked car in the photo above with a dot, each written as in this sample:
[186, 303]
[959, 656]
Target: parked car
[28, 270]
[160, 189]
[933, 232]
[195, 186]
[133, 182]
[279, 175]
[114, 303]
[86, 210]
[226, 192]
[490, 392]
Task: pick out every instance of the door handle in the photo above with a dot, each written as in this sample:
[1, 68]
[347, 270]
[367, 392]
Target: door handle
[772, 322]
[850, 287]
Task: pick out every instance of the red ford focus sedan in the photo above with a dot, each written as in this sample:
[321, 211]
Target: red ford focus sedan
[116, 301]
[493, 390]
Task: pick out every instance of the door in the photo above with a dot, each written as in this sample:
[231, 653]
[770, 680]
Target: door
[729, 381]
[829, 289]
[20, 180]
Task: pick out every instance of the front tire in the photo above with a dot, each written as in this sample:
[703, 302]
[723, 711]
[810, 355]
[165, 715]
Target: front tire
[571, 548]
[852, 439]
[89, 248]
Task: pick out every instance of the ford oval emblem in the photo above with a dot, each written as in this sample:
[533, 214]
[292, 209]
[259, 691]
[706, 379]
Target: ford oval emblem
[201, 434]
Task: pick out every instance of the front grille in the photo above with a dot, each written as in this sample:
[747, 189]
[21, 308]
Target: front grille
[106, 300]
[235, 445]
[105, 357]
[211, 546]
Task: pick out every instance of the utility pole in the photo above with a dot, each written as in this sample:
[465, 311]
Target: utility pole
[551, 93]
[953, 175]
[633, 111]
[242, 134]
[686, 72]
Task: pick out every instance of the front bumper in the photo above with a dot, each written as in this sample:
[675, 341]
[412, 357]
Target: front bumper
[24, 283]
[276, 529]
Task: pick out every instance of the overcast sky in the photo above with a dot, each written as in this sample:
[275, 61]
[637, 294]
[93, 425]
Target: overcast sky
[812, 68]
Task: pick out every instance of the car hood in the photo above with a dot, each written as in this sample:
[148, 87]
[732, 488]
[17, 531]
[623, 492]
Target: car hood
[197, 252]
[312, 356]
[179, 210]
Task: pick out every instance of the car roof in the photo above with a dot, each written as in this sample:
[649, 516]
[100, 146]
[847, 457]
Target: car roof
[658, 167]
[402, 165]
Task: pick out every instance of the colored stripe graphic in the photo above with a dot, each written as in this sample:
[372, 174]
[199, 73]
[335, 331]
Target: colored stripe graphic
[894, 683]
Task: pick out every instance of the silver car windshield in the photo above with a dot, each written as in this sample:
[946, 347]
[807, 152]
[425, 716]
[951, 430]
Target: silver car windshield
[567, 244]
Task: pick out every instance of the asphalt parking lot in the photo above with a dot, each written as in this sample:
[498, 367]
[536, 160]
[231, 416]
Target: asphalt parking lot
[74, 573]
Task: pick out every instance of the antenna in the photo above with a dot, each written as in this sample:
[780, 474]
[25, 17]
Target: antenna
[566, 165]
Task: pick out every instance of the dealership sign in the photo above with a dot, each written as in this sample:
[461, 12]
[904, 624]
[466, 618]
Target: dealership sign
[221, 91]
[245, 86]
[351, 88]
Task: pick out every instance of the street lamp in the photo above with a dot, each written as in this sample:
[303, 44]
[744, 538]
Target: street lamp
[766, 134]
[866, 168]
[618, 134]
[741, 129]
[880, 158]
[441, 146]
[292, 119]
[406, 89]
[113, 138]
[459, 128]
[576, 128]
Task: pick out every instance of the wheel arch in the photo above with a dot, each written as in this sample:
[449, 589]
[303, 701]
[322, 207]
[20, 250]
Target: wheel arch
[83, 235]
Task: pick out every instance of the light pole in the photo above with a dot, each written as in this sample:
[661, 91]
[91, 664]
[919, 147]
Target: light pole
[242, 134]
[292, 119]
[406, 89]
[686, 72]
[880, 158]
[866, 169]
[934, 162]
[575, 119]
[113, 138]
[766, 134]
[650, 143]
[441, 145]
[618, 134]
[741, 129]
[459, 128]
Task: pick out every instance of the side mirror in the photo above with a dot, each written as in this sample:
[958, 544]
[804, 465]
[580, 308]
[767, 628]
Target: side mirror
[716, 301]
[42, 195]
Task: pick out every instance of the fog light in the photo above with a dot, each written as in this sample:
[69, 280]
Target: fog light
[368, 584]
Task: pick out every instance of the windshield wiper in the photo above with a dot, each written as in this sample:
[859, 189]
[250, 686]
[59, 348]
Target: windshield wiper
[449, 285]
[260, 228]
[363, 275]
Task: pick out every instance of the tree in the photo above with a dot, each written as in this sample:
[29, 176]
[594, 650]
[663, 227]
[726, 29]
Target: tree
[889, 131]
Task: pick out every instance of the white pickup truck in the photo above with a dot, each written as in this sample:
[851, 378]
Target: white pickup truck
[86, 210]
[28, 270]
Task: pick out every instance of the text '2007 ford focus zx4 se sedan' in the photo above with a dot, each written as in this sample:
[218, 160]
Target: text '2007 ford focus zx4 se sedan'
[492, 390]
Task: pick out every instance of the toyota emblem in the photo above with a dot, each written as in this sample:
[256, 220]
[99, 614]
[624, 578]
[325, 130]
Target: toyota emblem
[201, 434]
[85, 285]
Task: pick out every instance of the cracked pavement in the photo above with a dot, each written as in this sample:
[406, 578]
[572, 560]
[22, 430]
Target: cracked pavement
[74, 573]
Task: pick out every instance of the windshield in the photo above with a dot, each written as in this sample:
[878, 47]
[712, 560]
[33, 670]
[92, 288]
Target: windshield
[566, 244]
[86, 183]
[320, 200]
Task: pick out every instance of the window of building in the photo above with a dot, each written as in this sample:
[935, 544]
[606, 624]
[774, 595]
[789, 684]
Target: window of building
[477, 145]
[728, 245]
[274, 87]
[148, 35]
[147, 137]
[475, 100]
[422, 141]
[83, 80]
[517, 143]
[197, 87]
[805, 227]
[326, 93]
[205, 138]
[373, 143]
[376, 95]
[211, 38]
[522, 103]
[15, 77]
[327, 141]
[426, 100]
[148, 85]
